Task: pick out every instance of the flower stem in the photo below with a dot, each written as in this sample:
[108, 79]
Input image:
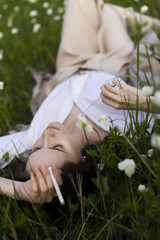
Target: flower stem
[133, 198]
[137, 152]
[86, 137]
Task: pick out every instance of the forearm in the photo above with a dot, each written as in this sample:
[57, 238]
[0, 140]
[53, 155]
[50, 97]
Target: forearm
[8, 187]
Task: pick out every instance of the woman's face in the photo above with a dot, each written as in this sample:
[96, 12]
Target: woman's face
[56, 146]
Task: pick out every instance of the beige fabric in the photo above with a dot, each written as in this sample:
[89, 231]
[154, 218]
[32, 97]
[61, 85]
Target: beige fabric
[39, 91]
[135, 17]
[95, 37]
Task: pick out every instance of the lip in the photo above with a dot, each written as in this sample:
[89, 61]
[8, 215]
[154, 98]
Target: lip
[52, 127]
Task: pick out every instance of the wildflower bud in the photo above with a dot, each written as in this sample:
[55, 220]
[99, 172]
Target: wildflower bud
[144, 9]
[150, 152]
[142, 188]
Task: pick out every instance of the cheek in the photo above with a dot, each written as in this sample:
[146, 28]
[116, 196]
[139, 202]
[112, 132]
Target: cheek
[31, 165]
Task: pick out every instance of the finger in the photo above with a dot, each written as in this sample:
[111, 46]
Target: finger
[34, 183]
[126, 92]
[57, 173]
[47, 177]
[42, 187]
[45, 172]
[111, 103]
[107, 88]
[34, 187]
[115, 95]
[56, 177]
[119, 83]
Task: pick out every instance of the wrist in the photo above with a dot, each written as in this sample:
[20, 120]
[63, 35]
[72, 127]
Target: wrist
[148, 104]
[153, 106]
[142, 102]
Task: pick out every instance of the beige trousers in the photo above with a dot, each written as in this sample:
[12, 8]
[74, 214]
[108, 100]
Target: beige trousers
[95, 36]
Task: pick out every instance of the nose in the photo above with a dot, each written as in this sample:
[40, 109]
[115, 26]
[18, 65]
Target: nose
[48, 136]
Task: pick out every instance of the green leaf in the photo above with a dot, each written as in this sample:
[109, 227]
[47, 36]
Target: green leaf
[110, 160]
[101, 183]
[91, 200]
[20, 220]
[6, 156]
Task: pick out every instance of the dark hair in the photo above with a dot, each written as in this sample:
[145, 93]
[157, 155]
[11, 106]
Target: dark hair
[17, 168]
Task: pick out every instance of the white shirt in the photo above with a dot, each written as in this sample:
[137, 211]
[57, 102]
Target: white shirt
[82, 90]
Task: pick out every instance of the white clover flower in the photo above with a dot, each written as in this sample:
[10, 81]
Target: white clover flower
[5, 6]
[147, 90]
[1, 35]
[142, 188]
[57, 18]
[82, 123]
[144, 9]
[127, 12]
[36, 27]
[16, 8]
[128, 165]
[33, 13]
[157, 97]
[1, 85]
[49, 11]
[155, 140]
[103, 119]
[150, 152]
[1, 54]
[10, 22]
[45, 4]
[33, 20]
[14, 30]
[32, 1]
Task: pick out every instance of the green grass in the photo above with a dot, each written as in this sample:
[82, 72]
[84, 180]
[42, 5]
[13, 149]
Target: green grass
[110, 207]
[22, 50]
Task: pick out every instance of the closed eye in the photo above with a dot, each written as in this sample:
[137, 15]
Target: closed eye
[57, 147]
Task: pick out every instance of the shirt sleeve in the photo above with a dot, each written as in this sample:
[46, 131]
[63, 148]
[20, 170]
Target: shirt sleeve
[13, 144]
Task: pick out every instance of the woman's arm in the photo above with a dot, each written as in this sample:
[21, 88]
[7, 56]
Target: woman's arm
[38, 189]
[125, 97]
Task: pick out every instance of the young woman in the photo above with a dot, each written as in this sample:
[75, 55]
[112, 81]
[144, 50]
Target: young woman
[86, 69]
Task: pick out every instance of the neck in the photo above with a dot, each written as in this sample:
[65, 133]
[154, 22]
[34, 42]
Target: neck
[96, 136]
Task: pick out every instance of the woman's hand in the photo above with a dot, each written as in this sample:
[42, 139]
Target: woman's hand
[39, 188]
[123, 97]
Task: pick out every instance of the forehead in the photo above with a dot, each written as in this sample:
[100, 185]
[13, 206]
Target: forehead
[49, 157]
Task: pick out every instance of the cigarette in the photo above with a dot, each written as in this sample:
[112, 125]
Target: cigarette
[58, 191]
